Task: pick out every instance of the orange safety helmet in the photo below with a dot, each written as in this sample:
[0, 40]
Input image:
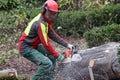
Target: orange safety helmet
[50, 5]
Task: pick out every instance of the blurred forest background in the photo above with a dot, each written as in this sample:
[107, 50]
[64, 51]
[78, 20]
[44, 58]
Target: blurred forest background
[94, 21]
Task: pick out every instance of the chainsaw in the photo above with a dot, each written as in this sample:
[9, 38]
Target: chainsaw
[75, 50]
[74, 56]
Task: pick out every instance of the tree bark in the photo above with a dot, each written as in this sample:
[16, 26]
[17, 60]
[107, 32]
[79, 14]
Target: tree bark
[106, 65]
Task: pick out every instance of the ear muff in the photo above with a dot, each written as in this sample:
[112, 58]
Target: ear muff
[44, 8]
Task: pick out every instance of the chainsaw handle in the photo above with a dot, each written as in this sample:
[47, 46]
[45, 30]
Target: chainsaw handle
[75, 49]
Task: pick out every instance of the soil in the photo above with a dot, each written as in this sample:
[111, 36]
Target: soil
[24, 67]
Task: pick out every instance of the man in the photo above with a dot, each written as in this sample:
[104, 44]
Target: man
[35, 45]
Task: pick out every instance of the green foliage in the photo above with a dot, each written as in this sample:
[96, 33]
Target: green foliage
[8, 78]
[9, 4]
[19, 15]
[81, 21]
[12, 78]
[101, 35]
[7, 19]
[74, 4]
[65, 4]
[6, 55]
[119, 54]
[9, 25]
[84, 4]
[33, 13]
[16, 19]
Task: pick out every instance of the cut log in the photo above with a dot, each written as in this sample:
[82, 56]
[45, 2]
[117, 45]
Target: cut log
[105, 66]
[8, 72]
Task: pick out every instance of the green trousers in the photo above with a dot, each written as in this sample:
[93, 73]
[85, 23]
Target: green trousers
[45, 61]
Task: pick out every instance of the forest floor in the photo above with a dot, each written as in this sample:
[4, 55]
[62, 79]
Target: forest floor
[24, 67]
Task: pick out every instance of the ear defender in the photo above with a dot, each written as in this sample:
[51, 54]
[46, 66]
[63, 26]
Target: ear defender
[44, 8]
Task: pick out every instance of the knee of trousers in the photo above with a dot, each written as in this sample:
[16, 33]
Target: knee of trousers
[47, 64]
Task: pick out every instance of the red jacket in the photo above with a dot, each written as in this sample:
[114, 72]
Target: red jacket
[38, 31]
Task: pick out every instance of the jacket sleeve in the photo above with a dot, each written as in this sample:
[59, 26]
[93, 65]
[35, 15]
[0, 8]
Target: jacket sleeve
[55, 37]
[45, 41]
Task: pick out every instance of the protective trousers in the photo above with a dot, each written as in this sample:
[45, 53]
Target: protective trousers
[45, 61]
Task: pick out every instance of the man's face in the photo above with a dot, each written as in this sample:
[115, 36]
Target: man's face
[50, 15]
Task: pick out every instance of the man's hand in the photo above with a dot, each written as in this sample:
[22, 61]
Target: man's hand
[67, 53]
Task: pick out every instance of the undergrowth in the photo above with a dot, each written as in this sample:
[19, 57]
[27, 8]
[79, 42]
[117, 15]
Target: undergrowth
[13, 78]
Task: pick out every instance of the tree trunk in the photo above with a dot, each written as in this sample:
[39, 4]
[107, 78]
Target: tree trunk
[105, 64]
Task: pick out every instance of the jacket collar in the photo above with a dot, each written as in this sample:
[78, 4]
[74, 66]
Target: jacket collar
[45, 19]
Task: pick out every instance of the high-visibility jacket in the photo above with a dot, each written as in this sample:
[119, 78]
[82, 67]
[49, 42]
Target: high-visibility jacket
[38, 31]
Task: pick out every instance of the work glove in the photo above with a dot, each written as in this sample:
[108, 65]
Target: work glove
[60, 57]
